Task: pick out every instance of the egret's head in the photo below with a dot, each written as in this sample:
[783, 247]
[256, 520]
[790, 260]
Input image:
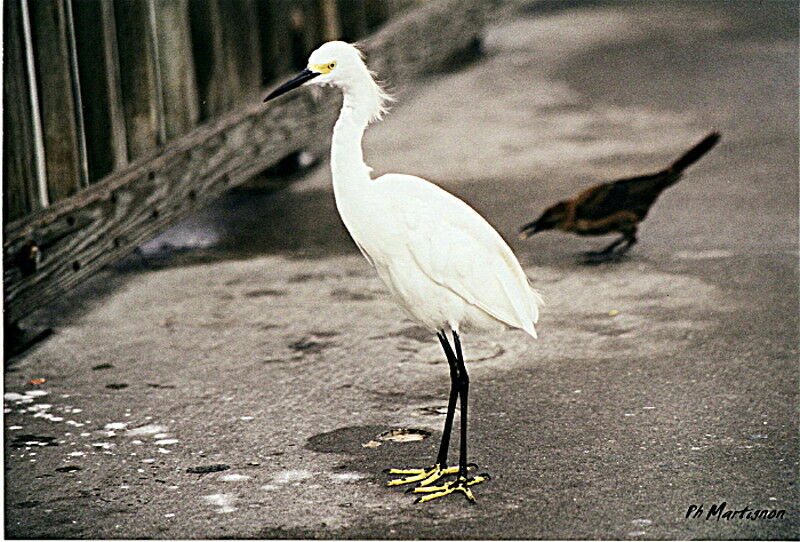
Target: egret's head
[342, 65]
[551, 218]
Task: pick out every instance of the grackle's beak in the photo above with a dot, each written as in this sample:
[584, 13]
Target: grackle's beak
[529, 229]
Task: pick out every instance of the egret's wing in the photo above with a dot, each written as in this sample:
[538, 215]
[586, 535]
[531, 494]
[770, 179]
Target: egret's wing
[365, 254]
[456, 248]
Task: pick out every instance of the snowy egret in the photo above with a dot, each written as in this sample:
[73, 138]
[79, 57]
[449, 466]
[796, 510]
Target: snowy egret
[446, 266]
[616, 206]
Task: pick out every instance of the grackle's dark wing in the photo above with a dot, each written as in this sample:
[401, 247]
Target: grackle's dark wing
[635, 194]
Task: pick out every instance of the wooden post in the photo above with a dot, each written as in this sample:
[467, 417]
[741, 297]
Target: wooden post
[376, 12]
[331, 29]
[227, 48]
[36, 111]
[176, 67]
[276, 50]
[309, 26]
[353, 15]
[59, 127]
[119, 139]
[209, 55]
[241, 46]
[141, 96]
[19, 167]
[98, 65]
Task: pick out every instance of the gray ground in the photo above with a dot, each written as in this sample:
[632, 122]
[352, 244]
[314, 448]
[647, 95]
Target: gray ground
[267, 344]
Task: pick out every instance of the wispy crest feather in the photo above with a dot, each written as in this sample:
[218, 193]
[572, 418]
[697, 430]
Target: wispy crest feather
[381, 95]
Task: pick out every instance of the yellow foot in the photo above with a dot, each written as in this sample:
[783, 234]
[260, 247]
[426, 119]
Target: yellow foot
[462, 485]
[425, 477]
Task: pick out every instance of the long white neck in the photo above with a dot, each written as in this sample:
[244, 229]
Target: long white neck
[347, 158]
[363, 102]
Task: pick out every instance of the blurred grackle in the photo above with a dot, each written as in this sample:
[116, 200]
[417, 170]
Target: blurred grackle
[616, 206]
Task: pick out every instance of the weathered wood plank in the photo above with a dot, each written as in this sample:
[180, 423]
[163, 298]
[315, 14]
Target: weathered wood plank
[20, 195]
[105, 221]
[176, 66]
[98, 66]
[141, 96]
[59, 127]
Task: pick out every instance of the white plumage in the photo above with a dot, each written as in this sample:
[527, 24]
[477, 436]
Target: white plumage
[446, 266]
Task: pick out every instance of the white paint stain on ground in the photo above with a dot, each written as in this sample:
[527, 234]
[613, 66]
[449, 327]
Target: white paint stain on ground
[76, 454]
[166, 442]
[37, 393]
[103, 445]
[150, 429]
[703, 254]
[235, 477]
[114, 426]
[224, 502]
[346, 476]
[290, 476]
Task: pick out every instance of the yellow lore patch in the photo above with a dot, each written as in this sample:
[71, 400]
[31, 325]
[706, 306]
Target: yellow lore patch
[322, 68]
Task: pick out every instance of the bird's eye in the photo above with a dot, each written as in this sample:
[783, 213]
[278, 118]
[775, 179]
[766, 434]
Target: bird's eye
[331, 65]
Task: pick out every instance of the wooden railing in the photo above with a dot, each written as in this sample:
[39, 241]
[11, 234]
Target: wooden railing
[121, 118]
[91, 85]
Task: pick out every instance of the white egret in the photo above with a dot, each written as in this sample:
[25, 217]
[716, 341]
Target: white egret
[446, 266]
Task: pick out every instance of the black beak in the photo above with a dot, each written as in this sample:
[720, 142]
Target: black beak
[529, 229]
[299, 79]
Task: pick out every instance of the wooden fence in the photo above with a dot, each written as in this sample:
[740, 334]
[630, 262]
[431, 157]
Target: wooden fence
[94, 84]
[122, 117]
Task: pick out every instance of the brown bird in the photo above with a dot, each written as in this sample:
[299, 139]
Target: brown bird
[616, 206]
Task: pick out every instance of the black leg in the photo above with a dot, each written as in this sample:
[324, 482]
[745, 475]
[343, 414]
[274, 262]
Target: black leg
[459, 391]
[606, 251]
[463, 392]
[629, 242]
[444, 447]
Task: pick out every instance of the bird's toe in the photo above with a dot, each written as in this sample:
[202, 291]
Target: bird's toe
[424, 476]
[461, 485]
